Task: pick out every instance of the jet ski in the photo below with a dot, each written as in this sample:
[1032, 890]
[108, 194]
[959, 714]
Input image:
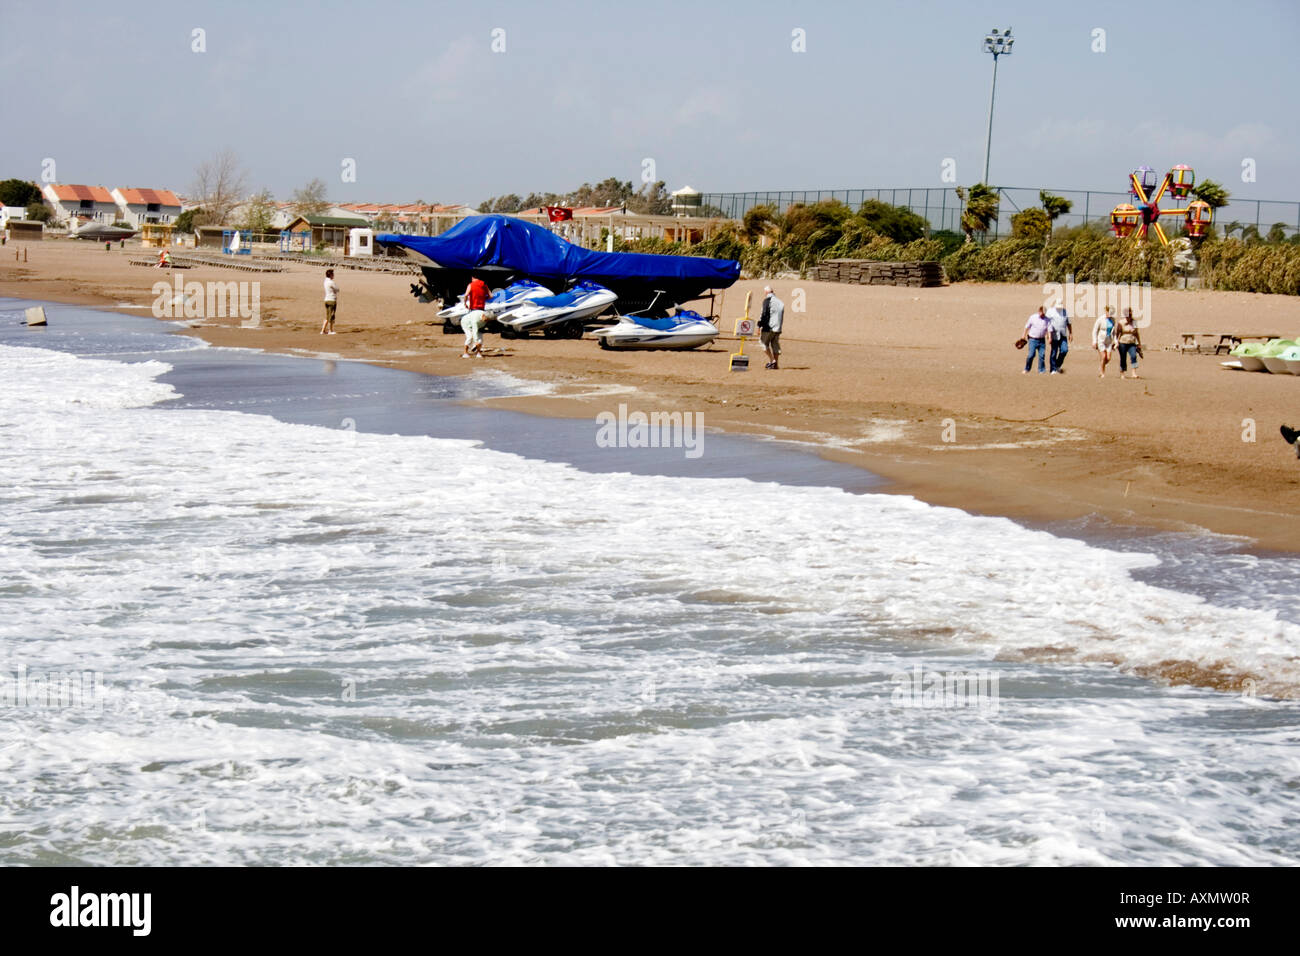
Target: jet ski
[559, 315]
[685, 330]
[501, 301]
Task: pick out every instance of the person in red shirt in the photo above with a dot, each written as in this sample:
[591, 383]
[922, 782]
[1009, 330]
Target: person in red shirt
[476, 296]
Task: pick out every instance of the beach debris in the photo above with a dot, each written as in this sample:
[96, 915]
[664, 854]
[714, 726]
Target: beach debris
[36, 315]
[1024, 420]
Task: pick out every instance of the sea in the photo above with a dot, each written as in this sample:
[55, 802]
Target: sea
[268, 609]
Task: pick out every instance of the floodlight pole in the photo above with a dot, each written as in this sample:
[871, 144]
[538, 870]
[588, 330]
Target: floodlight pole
[997, 45]
[988, 139]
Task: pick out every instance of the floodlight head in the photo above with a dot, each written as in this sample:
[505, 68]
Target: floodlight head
[1006, 47]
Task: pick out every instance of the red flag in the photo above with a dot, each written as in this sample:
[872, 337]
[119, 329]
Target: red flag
[559, 213]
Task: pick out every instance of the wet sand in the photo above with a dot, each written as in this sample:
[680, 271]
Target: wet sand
[921, 386]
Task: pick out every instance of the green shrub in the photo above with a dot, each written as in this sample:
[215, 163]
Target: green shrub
[962, 263]
[894, 222]
[948, 240]
[1031, 223]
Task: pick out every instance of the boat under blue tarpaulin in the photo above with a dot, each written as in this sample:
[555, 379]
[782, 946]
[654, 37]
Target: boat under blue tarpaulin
[500, 247]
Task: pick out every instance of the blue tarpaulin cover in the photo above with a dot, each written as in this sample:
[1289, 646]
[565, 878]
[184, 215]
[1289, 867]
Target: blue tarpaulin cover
[480, 242]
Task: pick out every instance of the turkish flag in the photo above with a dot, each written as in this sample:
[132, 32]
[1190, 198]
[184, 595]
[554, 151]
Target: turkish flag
[559, 213]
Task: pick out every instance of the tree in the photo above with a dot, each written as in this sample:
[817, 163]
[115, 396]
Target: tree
[191, 219]
[510, 202]
[814, 227]
[894, 222]
[220, 184]
[1277, 232]
[1054, 206]
[649, 200]
[39, 212]
[19, 192]
[1210, 192]
[981, 209]
[258, 213]
[310, 200]
[759, 221]
[1031, 223]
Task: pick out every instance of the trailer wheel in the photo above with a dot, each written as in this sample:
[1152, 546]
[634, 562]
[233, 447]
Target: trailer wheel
[575, 329]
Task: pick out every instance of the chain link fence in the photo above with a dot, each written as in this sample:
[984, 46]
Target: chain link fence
[942, 209]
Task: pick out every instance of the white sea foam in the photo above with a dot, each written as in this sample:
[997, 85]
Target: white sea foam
[328, 646]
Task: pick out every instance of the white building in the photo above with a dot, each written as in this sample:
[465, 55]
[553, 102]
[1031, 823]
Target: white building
[74, 205]
[139, 206]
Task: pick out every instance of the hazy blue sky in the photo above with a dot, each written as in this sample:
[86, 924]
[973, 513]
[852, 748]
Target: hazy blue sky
[711, 91]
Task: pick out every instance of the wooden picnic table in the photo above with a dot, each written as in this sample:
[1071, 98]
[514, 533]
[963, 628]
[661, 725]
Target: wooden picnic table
[1226, 341]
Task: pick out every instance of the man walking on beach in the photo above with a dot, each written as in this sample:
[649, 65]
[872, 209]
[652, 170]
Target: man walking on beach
[1062, 336]
[331, 302]
[769, 327]
[1036, 331]
[476, 296]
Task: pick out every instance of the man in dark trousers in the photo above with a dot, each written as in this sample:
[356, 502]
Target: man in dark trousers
[769, 327]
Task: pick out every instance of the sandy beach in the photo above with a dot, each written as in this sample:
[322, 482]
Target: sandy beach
[921, 386]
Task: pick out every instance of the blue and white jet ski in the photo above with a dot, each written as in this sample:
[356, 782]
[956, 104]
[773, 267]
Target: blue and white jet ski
[501, 301]
[684, 330]
[559, 315]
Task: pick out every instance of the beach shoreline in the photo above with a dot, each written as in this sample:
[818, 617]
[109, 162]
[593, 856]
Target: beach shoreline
[919, 386]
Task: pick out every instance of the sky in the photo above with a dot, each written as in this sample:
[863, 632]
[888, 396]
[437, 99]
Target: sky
[456, 102]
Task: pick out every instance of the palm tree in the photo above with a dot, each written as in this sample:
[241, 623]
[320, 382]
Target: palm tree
[981, 209]
[1211, 193]
[1054, 206]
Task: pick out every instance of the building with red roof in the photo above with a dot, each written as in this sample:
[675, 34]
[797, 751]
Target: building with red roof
[139, 206]
[73, 205]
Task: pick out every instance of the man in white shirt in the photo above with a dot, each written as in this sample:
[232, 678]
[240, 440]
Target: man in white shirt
[1062, 333]
[331, 302]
